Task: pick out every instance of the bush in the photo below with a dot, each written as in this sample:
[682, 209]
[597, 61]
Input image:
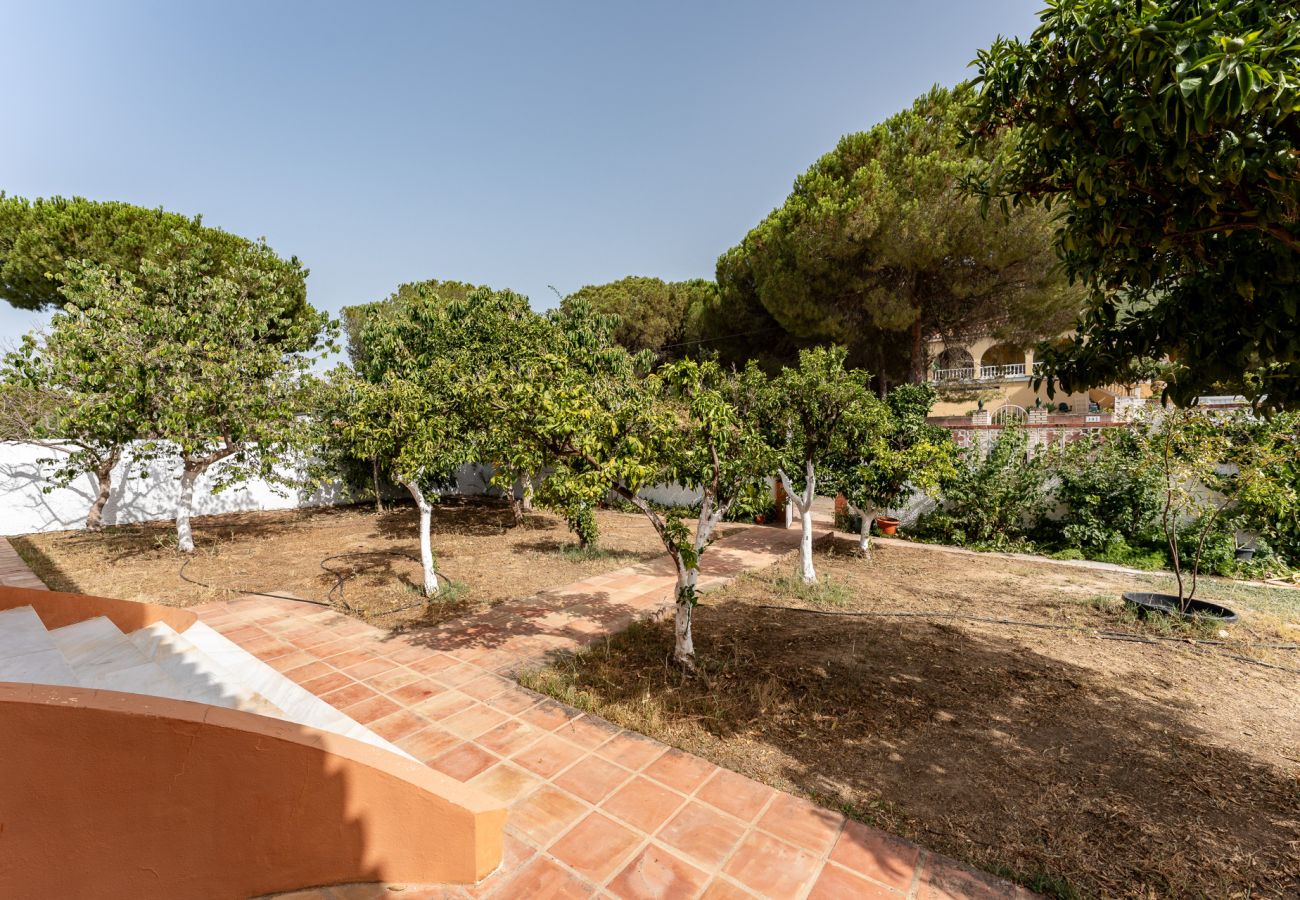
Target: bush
[754, 500]
[994, 502]
[1111, 498]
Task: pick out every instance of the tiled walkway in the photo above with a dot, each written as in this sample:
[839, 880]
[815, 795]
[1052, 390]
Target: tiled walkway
[13, 571]
[595, 810]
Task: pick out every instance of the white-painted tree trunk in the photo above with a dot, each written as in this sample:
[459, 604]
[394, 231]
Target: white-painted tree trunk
[429, 573]
[684, 647]
[803, 505]
[184, 506]
[527, 500]
[865, 519]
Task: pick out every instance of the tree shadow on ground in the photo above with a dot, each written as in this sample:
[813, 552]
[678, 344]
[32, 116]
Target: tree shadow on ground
[972, 744]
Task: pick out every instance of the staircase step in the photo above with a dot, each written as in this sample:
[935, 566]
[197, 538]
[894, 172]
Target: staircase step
[298, 704]
[103, 657]
[197, 674]
[28, 653]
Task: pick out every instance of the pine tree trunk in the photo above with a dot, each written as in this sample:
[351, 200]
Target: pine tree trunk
[916, 369]
[104, 477]
[184, 506]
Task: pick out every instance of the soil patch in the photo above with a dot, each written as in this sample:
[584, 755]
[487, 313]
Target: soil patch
[1075, 765]
[375, 570]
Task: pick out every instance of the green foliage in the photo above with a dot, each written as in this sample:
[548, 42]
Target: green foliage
[652, 314]
[995, 502]
[877, 248]
[1163, 133]
[42, 240]
[1270, 503]
[1112, 495]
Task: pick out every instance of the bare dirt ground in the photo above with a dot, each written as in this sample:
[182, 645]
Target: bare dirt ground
[476, 546]
[1076, 765]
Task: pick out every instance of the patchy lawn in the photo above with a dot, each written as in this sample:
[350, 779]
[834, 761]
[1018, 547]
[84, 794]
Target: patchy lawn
[475, 543]
[1079, 766]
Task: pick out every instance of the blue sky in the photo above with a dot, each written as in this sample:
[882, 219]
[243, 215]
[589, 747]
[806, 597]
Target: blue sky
[520, 145]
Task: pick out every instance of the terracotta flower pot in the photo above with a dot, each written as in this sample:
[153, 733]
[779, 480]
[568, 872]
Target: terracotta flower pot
[887, 524]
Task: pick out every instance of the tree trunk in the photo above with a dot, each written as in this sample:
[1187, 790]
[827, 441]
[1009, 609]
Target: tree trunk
[374, 475]
[916, 369]
[526, 502]
[184, 505]
[865, 518]
[803, 504]
[104, 476]
[684, 639]
[429, 573]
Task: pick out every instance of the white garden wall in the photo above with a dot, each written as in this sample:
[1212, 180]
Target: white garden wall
[25, 507]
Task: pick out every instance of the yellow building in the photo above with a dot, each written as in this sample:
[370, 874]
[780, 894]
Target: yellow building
[1001, 375]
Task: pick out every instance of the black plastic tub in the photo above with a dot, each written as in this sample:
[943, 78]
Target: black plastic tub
[1168, 605]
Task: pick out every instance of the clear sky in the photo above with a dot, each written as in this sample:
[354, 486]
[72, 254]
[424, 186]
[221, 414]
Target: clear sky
[521, 144]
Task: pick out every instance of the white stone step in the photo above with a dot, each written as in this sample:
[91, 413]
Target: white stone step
[197, 674]
[298, 704]
[28, 653]
[104, 658]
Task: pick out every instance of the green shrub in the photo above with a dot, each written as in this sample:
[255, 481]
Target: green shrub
[993, 502]
[1111, 498]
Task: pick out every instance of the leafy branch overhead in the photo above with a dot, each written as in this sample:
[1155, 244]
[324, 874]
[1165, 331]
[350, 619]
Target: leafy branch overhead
[1165, 137]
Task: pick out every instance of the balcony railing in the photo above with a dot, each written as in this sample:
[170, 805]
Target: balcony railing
[1012, 372]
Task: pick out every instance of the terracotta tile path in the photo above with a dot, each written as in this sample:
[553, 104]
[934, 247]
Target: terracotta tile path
[595, 810]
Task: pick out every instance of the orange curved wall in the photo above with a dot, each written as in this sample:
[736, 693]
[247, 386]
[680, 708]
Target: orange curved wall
[57, 609]
[105, 794]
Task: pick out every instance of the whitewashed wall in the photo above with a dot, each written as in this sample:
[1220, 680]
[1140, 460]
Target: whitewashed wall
[25, 507]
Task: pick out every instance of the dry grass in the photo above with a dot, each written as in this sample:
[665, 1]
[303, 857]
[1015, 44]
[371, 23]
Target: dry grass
[1078, 766]
[487, 559]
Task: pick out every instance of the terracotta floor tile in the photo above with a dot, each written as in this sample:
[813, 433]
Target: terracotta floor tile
[548, 756]
[485, 687]
[545, 814]
[327, 683]
[771, 868]
[596, 847]
[547, 715]
[428, 743]
[394, 678]
[348, 658]
[643, 803]
[631, 751]
[311, 670]
[735, 794]
[587, 732]
[346, 696]
[543, 879]
[877, 855]
[416, 692]
[506, 782]
[946, 879]
[398, 725]
[463, 762]
[448, 703]
[368, 711]
[508, 737]
[433, 661]
[680, 771]
[515, 701]
[720, 889]
[369, 668]
[474, 720]
[702, 832]
[803, 824]
[291, 661]
[835, 883]
[655, 873]
[457, 675]
[594, 780]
